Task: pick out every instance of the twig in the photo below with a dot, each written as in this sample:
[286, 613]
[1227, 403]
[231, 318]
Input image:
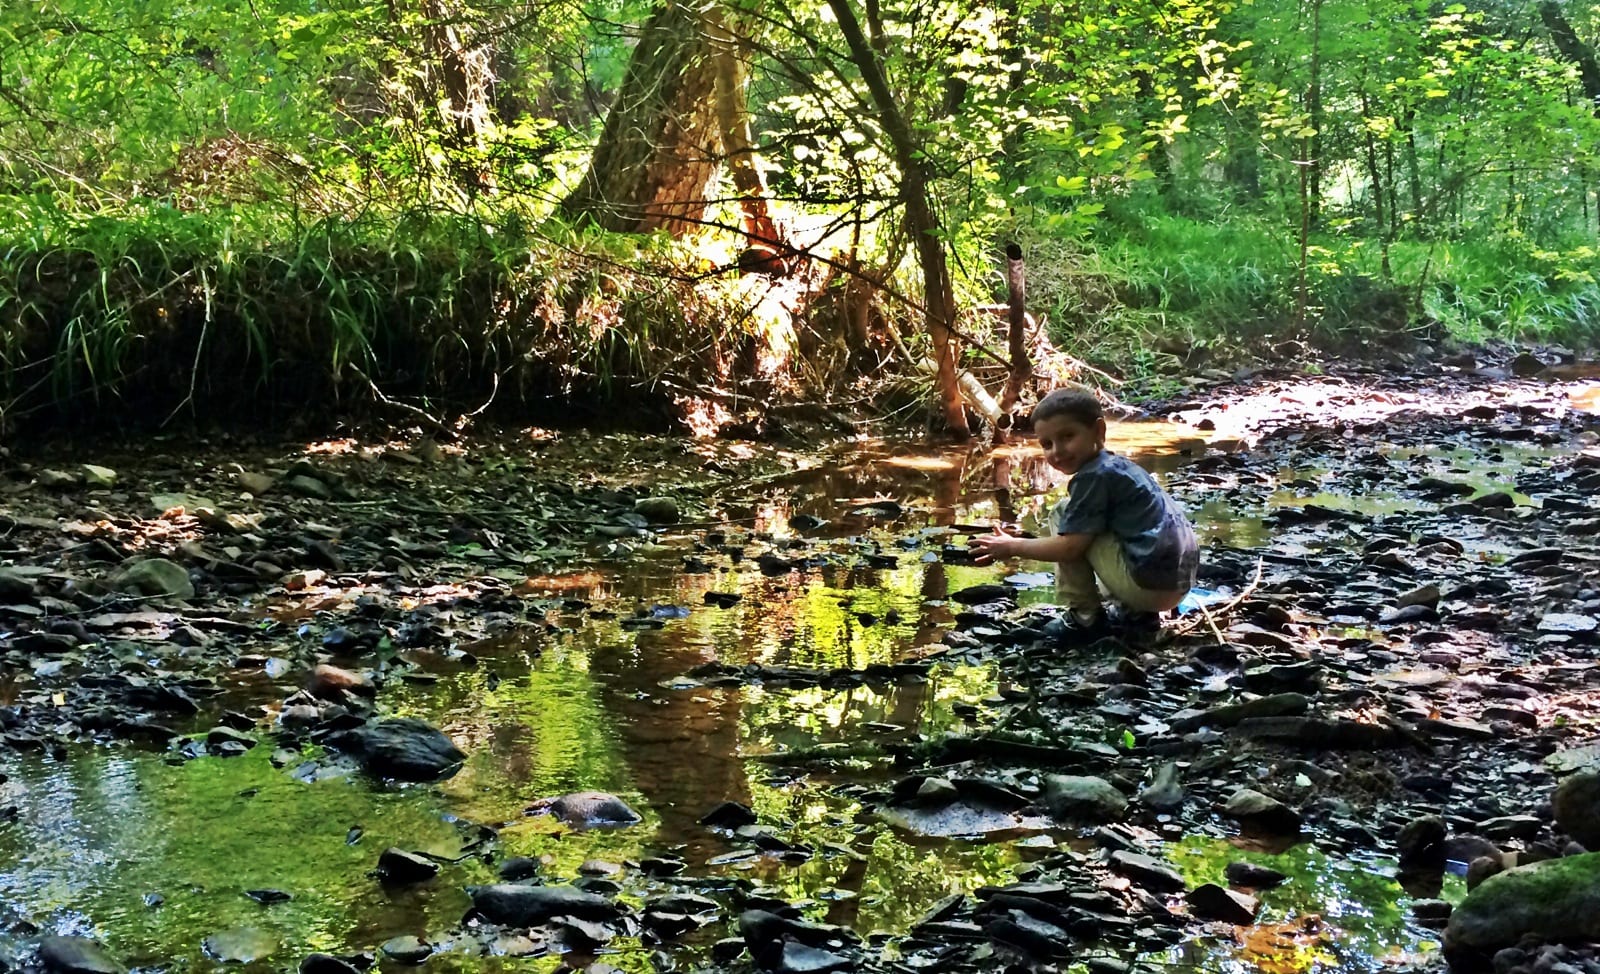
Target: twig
[1184, 628]
[421, 414]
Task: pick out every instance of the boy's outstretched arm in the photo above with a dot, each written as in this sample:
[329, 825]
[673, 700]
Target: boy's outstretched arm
[1056, 547]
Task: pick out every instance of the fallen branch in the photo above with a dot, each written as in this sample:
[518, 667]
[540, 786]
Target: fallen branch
[1184, 628]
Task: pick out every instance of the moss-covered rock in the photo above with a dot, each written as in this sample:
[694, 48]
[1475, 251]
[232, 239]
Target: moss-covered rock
[1558, 899]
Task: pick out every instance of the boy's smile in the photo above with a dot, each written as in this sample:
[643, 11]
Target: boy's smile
[1067, 443]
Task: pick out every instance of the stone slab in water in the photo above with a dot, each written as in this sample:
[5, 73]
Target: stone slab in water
[527, 906]
[404, 748]
[76, 955]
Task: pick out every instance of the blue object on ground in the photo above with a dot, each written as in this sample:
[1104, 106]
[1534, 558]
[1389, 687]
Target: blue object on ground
[1198, 597]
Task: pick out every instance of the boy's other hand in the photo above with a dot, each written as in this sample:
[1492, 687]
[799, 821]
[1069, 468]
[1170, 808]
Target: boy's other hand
[987, 547]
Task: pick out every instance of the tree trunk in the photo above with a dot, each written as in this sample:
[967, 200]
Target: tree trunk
[463, 77]
[733, 120]
[1573, 49]
[1314, 111]
[921, 222]
[1413, 168]
[660, 147]
[1017, 340]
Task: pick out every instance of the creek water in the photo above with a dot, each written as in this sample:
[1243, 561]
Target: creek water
[154, 855]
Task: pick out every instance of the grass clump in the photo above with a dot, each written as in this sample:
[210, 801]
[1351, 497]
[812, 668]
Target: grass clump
[229, 311]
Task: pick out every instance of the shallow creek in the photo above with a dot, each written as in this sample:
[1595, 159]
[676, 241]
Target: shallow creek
[153, 855]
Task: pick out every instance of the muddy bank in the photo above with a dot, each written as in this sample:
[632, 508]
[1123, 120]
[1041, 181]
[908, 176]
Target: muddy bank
[1402, 668]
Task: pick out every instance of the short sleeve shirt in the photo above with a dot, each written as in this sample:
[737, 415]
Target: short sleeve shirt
[1111, 494]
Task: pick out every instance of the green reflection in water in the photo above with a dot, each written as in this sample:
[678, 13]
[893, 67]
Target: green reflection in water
[100, 831]
[1331, 914]
[866, 875]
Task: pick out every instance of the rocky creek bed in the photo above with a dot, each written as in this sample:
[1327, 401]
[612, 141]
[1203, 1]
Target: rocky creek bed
[552, 700]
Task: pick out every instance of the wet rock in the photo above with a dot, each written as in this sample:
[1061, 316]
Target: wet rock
[729, 815]
[795, 958]
[98, 476]
[662, 865]
[222, 738]
[1259, 812]
[1253, 876]
[1421, 842]
[1569, 623]
[1407, 613]
[15, 588]
[1083, 798]
[330, 683]
[1431, 913]
[1482, 868]
[1272, 678]
[1426, 595]
[935, 791]
[518, 868]
[1577, 808]
[657, 510]
[528, 906]
[780, 944]
[979, 594]
[255, 483]
[1322, 733]
[1212, 902]
[308, 486]
[587, 809]
[1229, 715]
[241, 945]
[1526, 365]
[1466, 848]
[1511, 826]
[328, 964]
[1152, 874]
[1558, 899]
[397, 867]
[401, 748]
[1165, 792]
[406, 950]
[76, 955]
[154, 577]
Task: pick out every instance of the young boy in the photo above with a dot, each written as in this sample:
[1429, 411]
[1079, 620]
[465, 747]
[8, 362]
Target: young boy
[1116, 524]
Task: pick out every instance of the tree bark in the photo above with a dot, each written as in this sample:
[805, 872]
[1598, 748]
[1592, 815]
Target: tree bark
[1573, 49]
[921, 222]
[464, 78]
[1314, 112]
[1017, 340]
[733, 119]
[660, 148]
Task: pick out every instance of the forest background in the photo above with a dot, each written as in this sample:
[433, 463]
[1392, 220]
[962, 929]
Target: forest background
[444, 207]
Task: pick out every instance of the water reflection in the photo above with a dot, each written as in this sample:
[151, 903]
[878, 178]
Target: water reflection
[1339, 914]
[594, 699]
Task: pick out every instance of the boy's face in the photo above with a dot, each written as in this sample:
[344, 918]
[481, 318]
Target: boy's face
[1067, 443]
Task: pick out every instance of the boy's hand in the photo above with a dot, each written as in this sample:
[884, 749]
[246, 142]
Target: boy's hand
[988, 547]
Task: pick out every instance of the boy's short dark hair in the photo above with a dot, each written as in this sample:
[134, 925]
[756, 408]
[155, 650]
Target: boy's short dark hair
[1076, 403]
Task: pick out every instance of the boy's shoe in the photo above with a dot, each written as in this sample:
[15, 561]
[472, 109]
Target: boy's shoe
[1125, 620]
[1068, 628]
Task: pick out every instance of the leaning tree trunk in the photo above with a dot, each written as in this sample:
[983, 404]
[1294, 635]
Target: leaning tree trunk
[1573, 49]
[938, 296]
[660, 148]
[733, 122]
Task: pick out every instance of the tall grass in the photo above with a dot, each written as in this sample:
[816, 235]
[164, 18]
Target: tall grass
[1150, 292]
[204, 311]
